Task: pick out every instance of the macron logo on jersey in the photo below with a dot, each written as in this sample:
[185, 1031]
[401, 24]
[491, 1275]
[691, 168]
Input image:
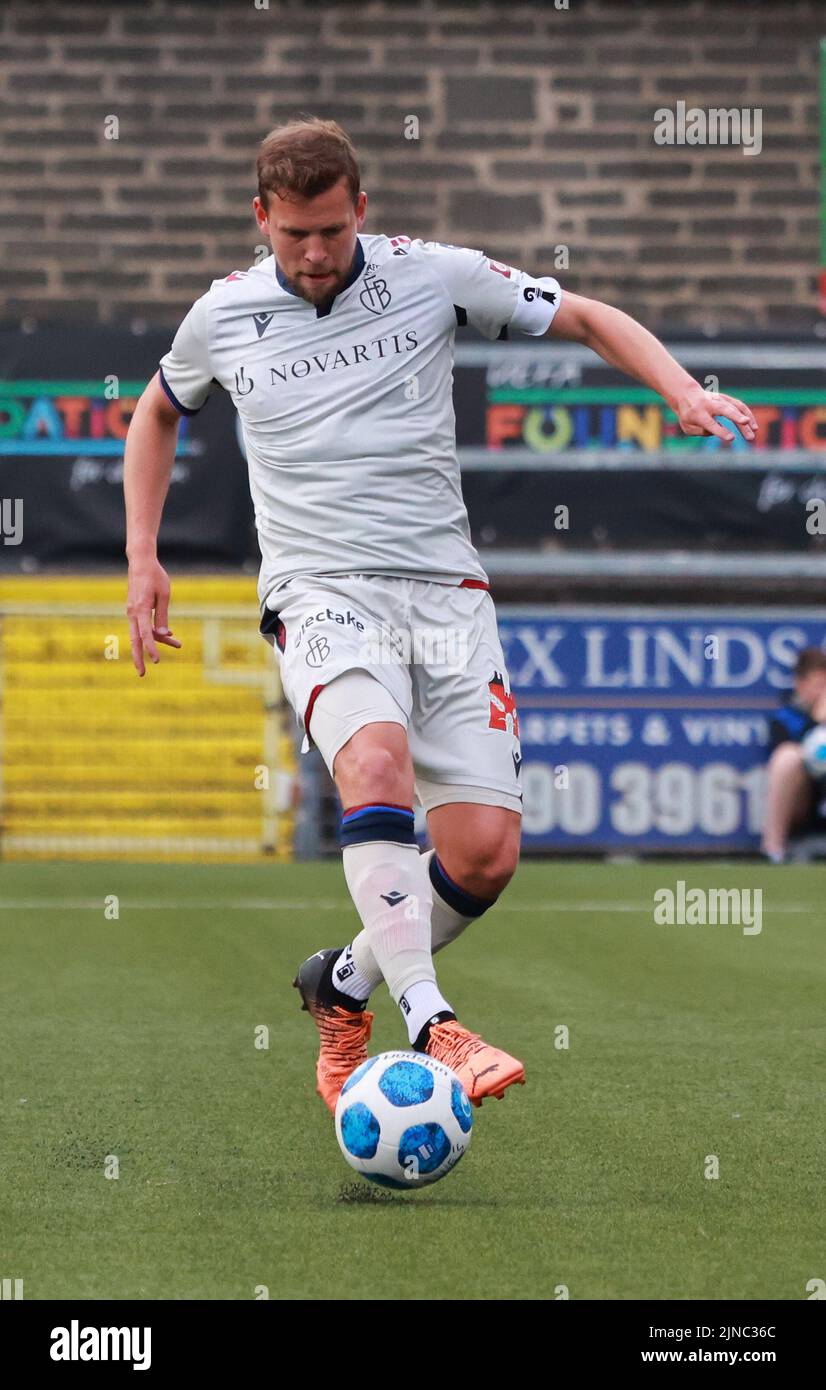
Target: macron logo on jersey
[262, 321]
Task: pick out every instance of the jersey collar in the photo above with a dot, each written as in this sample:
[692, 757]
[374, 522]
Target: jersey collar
[355, 271]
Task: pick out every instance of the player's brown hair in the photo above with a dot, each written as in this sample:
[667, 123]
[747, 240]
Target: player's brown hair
[306, 157]
[808, 660]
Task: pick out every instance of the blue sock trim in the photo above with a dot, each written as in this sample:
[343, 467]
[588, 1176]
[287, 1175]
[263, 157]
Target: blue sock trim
[377, 822]
[458, 898]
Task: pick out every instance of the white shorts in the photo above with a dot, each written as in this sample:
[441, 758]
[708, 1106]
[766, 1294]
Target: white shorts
[434, 648]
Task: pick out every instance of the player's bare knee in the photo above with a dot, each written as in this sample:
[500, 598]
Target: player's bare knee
[787, 760]
[488, 868]
[787, 753]
[499, 871]
[373, 770]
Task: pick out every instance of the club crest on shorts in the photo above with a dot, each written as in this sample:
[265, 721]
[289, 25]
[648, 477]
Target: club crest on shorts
[318, 649]
[502, 706]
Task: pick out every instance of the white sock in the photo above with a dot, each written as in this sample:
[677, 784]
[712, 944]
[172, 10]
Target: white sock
[418, 1004]
[446, 924]
[391, 890]
[349, 978]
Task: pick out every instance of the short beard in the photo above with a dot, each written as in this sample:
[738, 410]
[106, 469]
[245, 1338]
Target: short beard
[327, 297]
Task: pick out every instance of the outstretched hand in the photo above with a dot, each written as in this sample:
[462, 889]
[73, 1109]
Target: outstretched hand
[697, 410]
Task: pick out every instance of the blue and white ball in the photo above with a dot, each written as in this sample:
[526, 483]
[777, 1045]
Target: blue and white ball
[813, 748]
[403, 1120]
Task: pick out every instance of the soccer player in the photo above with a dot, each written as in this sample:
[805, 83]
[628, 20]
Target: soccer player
[337, 352]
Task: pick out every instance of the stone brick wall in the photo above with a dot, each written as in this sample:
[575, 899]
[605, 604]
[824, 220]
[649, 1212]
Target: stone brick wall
[535, 130]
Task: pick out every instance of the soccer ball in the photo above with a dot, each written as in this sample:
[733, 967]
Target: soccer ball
[813, 747]
[403, 1120]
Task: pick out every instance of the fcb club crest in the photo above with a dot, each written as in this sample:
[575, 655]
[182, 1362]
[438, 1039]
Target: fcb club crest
[502, 706]
[375, 296]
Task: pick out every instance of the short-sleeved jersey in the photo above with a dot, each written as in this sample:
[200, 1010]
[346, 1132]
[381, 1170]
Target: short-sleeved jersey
[347, 412]
[789, 724]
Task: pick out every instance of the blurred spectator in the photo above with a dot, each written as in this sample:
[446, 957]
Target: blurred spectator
[795, 799]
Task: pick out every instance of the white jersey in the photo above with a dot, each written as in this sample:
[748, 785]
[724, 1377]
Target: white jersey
[347, 413]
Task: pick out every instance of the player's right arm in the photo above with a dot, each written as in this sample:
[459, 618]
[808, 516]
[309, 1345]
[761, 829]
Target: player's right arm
[180, 387]
[148, 458]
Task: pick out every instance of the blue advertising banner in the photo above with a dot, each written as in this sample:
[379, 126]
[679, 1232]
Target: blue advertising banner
[648, 729]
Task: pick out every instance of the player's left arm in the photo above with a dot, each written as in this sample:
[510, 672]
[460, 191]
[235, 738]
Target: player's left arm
[623, 343]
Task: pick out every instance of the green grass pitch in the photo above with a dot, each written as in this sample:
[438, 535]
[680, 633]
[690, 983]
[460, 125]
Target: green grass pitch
[135, 1038]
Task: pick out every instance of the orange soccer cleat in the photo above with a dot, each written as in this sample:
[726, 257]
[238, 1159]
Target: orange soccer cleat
[483, 1070]
[344, 1032]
